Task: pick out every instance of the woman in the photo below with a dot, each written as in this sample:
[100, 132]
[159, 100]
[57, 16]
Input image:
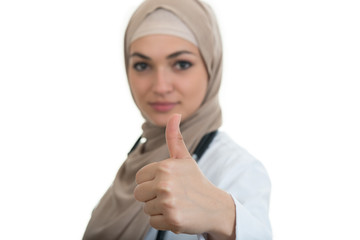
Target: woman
[173, 57]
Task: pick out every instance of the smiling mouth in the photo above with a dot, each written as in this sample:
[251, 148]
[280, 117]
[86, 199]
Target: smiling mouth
[163, 106]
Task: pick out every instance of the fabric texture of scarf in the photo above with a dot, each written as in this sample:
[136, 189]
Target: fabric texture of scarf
[118, 215]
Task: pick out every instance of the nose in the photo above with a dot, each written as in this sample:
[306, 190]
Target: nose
[162, 83]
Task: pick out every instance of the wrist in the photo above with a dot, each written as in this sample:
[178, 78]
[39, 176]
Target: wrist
[224, 223]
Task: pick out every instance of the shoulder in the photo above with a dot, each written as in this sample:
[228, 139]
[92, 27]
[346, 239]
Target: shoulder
[224, 151]
[225, 145]
[225, 162]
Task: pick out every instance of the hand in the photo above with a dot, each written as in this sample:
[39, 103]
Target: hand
[178, 197]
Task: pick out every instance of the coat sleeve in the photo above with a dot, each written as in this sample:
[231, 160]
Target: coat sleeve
[234, 170]
[250, 190]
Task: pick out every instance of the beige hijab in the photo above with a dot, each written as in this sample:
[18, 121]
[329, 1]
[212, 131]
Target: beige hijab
[118, 215]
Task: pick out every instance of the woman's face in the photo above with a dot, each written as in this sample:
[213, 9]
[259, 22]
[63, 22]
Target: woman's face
[167, 75]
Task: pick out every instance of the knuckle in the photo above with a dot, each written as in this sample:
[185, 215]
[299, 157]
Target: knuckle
[176, 222]
[173, 214]
[164, 187]
[165, 167]
[179, 138]
[168, 204]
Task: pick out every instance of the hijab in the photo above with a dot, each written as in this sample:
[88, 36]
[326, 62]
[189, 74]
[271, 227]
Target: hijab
[118, 215]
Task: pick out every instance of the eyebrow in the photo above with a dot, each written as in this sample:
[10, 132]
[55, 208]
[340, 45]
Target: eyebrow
[173, 55]
[136, 54]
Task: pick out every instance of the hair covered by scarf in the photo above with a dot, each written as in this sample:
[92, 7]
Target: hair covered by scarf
[118, 215]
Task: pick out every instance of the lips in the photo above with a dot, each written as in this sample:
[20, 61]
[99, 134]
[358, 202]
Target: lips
[163, 106]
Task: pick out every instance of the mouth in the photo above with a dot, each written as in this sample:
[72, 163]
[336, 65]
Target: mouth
[163, 106]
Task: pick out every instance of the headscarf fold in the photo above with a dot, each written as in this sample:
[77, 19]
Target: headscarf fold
[118, 215]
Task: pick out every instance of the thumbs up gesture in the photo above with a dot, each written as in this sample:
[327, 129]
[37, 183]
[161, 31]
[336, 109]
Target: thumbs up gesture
[178, 197]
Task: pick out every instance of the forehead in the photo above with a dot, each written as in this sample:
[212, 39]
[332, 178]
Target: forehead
[158, 45]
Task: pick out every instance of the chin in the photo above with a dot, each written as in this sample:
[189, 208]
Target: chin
[160, 121]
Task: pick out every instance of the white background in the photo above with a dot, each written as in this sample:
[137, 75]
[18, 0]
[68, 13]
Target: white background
[290, 96]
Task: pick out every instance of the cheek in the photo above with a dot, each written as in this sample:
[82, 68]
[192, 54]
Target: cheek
[201, 91]
[201, 85]
[195, 89]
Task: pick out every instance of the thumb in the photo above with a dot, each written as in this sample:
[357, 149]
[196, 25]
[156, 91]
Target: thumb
[174, 139]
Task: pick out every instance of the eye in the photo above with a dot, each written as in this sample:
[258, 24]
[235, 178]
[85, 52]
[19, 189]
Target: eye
[183, 65]
[140, 66]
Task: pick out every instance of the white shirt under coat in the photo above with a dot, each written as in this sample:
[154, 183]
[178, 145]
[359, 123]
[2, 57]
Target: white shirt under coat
[233, 169]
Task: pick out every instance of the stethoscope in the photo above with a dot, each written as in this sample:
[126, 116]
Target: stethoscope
[199, 151]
